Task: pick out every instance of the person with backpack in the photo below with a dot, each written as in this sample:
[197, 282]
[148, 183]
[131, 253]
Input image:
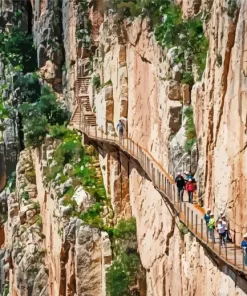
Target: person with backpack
[188, 175]
[120, 129]
[244, 248]
[190, 187]
[225, 223]
[222, 232]
[211, 227]
[207, 216]
[179, 180]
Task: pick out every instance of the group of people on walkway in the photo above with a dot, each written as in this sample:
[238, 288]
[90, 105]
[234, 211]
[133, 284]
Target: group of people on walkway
[220, 225]
[186, 182]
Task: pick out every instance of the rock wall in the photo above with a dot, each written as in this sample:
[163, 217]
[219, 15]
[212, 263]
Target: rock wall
[52, 253]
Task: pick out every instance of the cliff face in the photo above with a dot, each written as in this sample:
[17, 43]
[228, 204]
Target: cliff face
[52, 246]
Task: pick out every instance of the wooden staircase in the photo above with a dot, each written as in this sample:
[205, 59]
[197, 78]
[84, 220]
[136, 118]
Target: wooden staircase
[83, 110]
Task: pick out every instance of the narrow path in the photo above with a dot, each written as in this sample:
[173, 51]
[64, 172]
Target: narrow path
[190, 214]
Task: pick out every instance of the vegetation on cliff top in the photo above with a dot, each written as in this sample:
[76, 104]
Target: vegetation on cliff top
[171, 30]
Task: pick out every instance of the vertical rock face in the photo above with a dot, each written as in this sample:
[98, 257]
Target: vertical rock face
[220, 114]
[50, 251]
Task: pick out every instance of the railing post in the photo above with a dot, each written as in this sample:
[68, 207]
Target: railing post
[235, 259]
[244, 250]
[219, 244]
[196, 222]
[213, 238]
[201, 228]
[185, 212]
[192, 218]
[207, 232]
[226, 249]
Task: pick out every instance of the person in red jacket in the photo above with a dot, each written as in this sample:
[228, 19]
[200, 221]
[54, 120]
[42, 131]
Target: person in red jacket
[190, 187]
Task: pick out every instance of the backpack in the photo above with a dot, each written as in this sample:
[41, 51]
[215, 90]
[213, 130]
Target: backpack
[190, 187]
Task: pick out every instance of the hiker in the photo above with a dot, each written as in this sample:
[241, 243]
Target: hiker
[220, 216]
[188, 176]
[180, 186]
[211, 227]
[120, 129]
[244, 247]
[190, 187]
[225, 223]
[207, 216]
[222, 232]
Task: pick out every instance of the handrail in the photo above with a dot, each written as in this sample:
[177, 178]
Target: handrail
[189, 214]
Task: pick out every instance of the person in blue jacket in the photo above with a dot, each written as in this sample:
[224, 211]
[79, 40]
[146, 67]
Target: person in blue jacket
[207, 216]
[244, 247]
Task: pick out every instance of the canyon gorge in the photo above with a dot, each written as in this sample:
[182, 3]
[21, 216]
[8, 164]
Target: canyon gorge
[80, 212]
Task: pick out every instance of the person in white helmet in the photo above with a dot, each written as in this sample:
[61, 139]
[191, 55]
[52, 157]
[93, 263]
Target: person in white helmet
[190, 187]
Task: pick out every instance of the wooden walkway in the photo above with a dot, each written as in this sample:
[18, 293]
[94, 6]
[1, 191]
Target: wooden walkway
[190, 214]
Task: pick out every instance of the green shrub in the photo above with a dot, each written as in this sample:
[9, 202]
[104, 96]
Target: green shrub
[93, 216]
[11, 183]
[125, 228]
[122, 274]
[187, 35]
[96, 81]
[39, 116]
[188, 78]
[58, 131]
[190, 131]
[6, 290]
[39, 220]
[232, 8]
[17, 49]
[25, 195]
[36, 205]
[30, 88]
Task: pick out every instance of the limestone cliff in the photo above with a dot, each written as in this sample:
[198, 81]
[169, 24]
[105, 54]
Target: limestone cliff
[80, 216]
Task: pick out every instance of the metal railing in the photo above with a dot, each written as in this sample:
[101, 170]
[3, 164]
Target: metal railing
[191, 215]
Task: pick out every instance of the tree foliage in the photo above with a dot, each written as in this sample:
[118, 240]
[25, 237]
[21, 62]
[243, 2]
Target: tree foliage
[190, 131]
[16, 48]
[39, 115]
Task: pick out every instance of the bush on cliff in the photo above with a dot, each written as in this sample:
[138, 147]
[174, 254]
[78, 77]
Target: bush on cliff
[29, 87]
[37, 117]
[190, 131]
[122, 275]
[171, 30]
[16, 48]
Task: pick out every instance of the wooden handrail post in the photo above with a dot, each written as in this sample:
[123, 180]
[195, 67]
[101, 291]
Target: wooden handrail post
[196, 222]
[185, 212]
[235, 257]
[201, 228]
[192, 218]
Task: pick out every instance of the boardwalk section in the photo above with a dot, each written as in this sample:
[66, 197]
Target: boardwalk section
[192, 216]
